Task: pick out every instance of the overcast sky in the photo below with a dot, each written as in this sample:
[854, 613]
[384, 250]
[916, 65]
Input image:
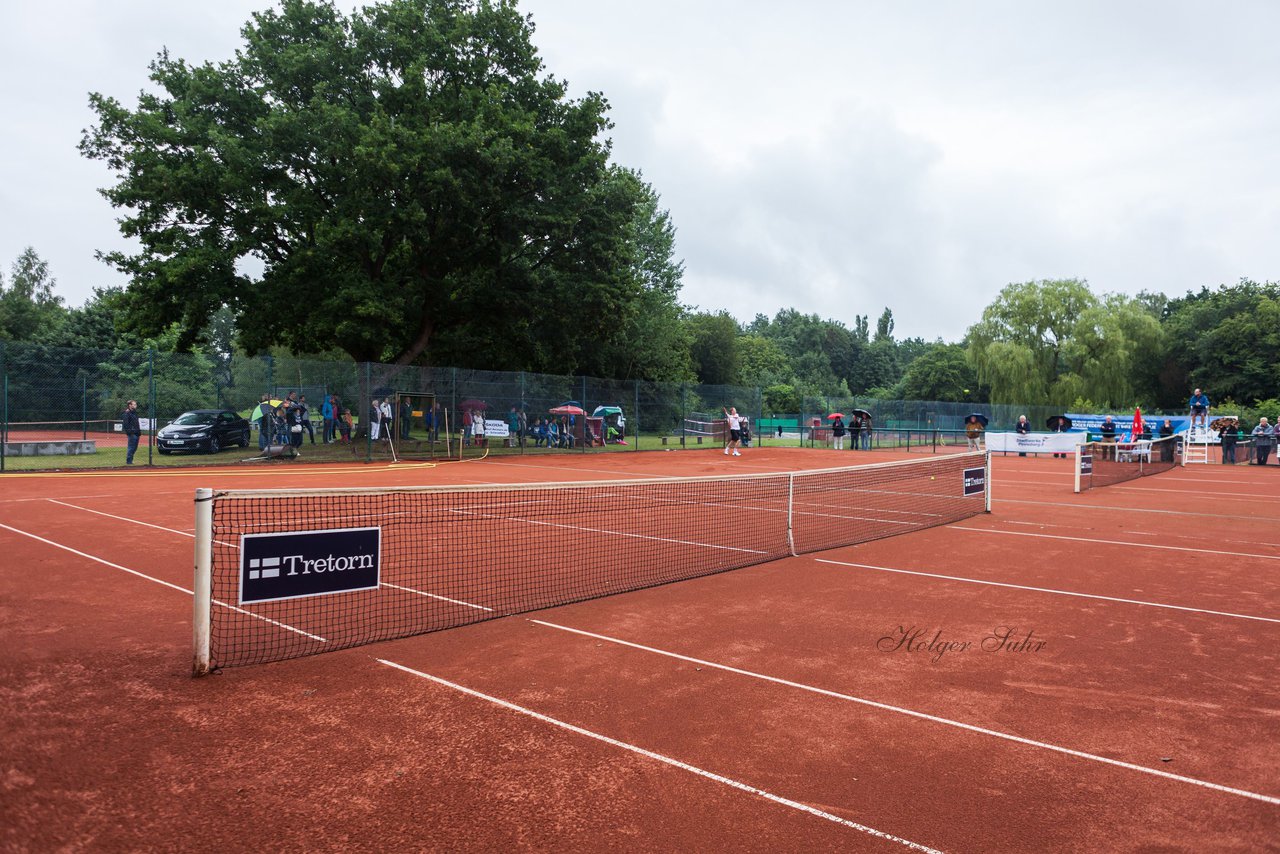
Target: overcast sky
[833, 157]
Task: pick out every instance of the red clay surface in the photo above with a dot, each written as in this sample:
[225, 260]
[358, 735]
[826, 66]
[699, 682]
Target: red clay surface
[1149, 719]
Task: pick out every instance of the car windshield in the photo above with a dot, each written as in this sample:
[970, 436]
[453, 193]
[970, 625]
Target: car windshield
[188, 419]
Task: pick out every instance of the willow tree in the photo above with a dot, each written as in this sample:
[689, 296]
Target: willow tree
[373, 182]
[1053, 341]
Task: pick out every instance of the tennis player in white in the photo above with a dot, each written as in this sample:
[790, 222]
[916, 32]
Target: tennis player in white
[735, 431]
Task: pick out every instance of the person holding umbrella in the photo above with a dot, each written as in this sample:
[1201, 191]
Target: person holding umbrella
[864, 421]
[1058, 424]
[974, 426]
[837, 431]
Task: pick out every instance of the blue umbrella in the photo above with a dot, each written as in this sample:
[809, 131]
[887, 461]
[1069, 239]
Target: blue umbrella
[982, 419]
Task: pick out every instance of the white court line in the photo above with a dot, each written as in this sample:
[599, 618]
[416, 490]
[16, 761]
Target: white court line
[1128, 509]
[611, 533]
[436, 596]
[134, 521]
[1048, 590]
[164, 583]
[1114, 542]
[666, 760]
[1244, 793]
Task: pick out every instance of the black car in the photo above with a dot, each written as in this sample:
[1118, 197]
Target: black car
[203, 430]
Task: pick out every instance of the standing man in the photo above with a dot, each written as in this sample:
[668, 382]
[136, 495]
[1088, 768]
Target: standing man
[305, 413]
[132, 429]
[1109, 437]
[1263, 438]
[1023, 427]
[265, 422]
[513, 428]
[1199, 408]
[735, 434]
[329, 416]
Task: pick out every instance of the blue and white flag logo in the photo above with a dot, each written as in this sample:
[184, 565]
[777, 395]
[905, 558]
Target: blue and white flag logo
[308, 563]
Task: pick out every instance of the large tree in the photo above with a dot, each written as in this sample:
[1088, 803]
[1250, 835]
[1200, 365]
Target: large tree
[403, 174]
[1053, 341]
[1226, 341]
[29, 309]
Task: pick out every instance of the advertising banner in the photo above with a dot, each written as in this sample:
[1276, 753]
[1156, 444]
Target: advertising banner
[1034, 443]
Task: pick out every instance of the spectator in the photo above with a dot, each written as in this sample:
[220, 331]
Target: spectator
[429, 422]
[973, 431]
[479, 437]
[866, 432]
[296, 416]
[280, 426]
[466, 427]
[1264, 438]
[1227, 437]
[513, 428]
[328, 415]
[1166, 448]
[522, 421]
[345, 425]
[132, 427]
[1108, 431]
[306, 420]
[375, 419]
[1199, 408]
[1022, 428]
[622, 427]
[744, 428]
[406, 417]
[1060, 426]
[388, 419]
[837, 432]
[553, 434]
[566, 432]
[264, 422]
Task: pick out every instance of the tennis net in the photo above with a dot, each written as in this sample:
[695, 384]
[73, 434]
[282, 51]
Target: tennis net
[1108, 463]
[287, 573]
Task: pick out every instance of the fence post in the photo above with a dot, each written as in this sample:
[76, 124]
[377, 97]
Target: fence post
[635, 414]
[151, 402]
[84, 406]
[4, 408]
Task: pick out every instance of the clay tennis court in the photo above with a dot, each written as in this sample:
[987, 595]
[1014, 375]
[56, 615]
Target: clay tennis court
[1069, 672]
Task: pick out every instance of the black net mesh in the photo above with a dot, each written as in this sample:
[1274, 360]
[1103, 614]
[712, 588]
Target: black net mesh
[452, 556]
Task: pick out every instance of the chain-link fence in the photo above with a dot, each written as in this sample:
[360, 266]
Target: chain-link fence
[63, 407]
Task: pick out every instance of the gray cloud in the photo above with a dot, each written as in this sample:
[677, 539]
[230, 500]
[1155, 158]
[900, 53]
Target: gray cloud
[832, 157]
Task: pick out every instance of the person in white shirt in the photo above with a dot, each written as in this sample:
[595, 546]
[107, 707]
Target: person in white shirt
[735, 434]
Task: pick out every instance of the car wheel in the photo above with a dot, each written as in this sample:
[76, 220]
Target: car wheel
[214, 447]
[244, 439]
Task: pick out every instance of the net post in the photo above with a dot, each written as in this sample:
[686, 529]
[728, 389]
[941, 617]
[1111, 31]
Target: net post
[791, 491]
[202, 583]
[986, 462]
[1079, 453]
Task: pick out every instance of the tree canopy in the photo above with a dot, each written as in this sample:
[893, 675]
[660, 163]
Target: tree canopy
[408, 180]
[1053, 341]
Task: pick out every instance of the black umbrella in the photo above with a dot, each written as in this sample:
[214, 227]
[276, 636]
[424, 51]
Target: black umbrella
[982, 419]
[1058, 422]
[862, 413]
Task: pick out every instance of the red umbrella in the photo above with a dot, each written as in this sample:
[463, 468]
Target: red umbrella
[566, 409]
[473, 404]
[1138, 428]
[833, 416]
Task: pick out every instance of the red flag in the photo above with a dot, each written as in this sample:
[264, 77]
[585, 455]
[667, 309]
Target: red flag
[1138, 428]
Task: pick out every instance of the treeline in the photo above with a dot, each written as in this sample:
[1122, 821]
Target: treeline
[1050, 343]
